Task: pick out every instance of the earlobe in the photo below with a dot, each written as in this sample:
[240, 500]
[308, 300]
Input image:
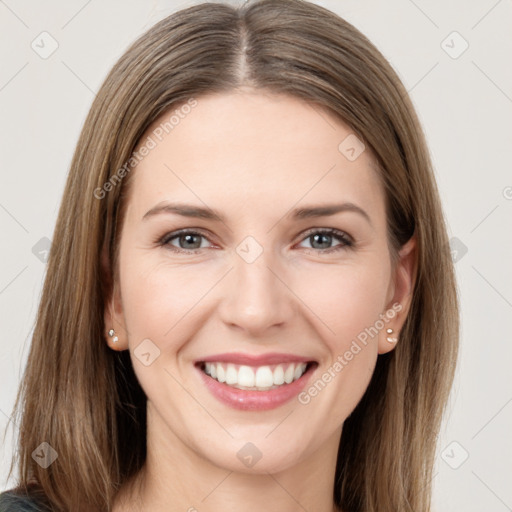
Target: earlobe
[114, 331]
[403, 288]
[390, 336]
[113, 335]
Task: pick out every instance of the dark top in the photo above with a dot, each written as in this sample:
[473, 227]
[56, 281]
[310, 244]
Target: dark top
[11, 502]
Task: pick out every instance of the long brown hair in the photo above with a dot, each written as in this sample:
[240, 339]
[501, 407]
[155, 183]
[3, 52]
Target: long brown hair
[83, 398]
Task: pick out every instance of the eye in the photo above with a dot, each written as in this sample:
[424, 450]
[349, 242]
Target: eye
[184, 241]
[322, 240]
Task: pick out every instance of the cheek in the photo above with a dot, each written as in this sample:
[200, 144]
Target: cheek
[346, 299]
[349, 302]
[157, 298]
[160, 304]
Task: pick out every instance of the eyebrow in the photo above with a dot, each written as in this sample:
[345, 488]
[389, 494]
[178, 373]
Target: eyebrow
[189, 210]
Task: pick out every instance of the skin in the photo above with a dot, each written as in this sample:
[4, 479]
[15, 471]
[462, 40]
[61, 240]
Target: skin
[253, 157]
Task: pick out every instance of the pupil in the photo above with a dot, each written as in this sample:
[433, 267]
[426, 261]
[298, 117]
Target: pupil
[320, 238]
[189, 239]
[326, 238]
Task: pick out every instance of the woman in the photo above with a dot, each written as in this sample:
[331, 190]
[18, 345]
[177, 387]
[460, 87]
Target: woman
[250, 300]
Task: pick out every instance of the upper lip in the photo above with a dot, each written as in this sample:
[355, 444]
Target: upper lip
[253, 359]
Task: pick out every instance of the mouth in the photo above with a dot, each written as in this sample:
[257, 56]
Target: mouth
[255, 378]
[246, 383]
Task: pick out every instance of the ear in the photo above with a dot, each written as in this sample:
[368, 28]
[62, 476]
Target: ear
[399, 296]
[113, 317]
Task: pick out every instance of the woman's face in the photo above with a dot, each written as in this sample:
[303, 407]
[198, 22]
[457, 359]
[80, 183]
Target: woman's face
[255, 240]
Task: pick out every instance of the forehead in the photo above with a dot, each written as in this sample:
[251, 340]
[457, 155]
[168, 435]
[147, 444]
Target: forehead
[252, 146]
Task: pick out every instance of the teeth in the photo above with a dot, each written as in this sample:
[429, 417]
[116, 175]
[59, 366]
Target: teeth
[288, 374]
[221, 373]
[297, 373]
[279, 375]
[264, 377]
[231, 375]
[260, 378]
[245, 377]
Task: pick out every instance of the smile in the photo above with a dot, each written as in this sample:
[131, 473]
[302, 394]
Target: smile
[260, 378]
[255, 382]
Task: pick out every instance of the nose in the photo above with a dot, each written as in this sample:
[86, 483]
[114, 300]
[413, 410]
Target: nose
[255, 296]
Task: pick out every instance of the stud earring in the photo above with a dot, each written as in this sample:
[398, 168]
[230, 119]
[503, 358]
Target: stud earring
[112, 334]
[389, 338]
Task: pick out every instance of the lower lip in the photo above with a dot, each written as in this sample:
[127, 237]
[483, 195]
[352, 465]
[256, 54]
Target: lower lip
[256, 400]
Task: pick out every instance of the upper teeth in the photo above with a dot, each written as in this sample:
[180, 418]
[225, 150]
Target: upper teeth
[261, 377]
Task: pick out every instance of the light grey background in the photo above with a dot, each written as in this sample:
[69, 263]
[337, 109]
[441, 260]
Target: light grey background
[464, 102]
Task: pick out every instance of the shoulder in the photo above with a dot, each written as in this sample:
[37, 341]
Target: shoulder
[13, 502]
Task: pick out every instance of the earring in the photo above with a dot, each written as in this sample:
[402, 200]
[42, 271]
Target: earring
[391, 340]
[112, 334]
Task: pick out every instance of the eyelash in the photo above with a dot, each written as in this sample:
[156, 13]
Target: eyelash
[346, 240]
